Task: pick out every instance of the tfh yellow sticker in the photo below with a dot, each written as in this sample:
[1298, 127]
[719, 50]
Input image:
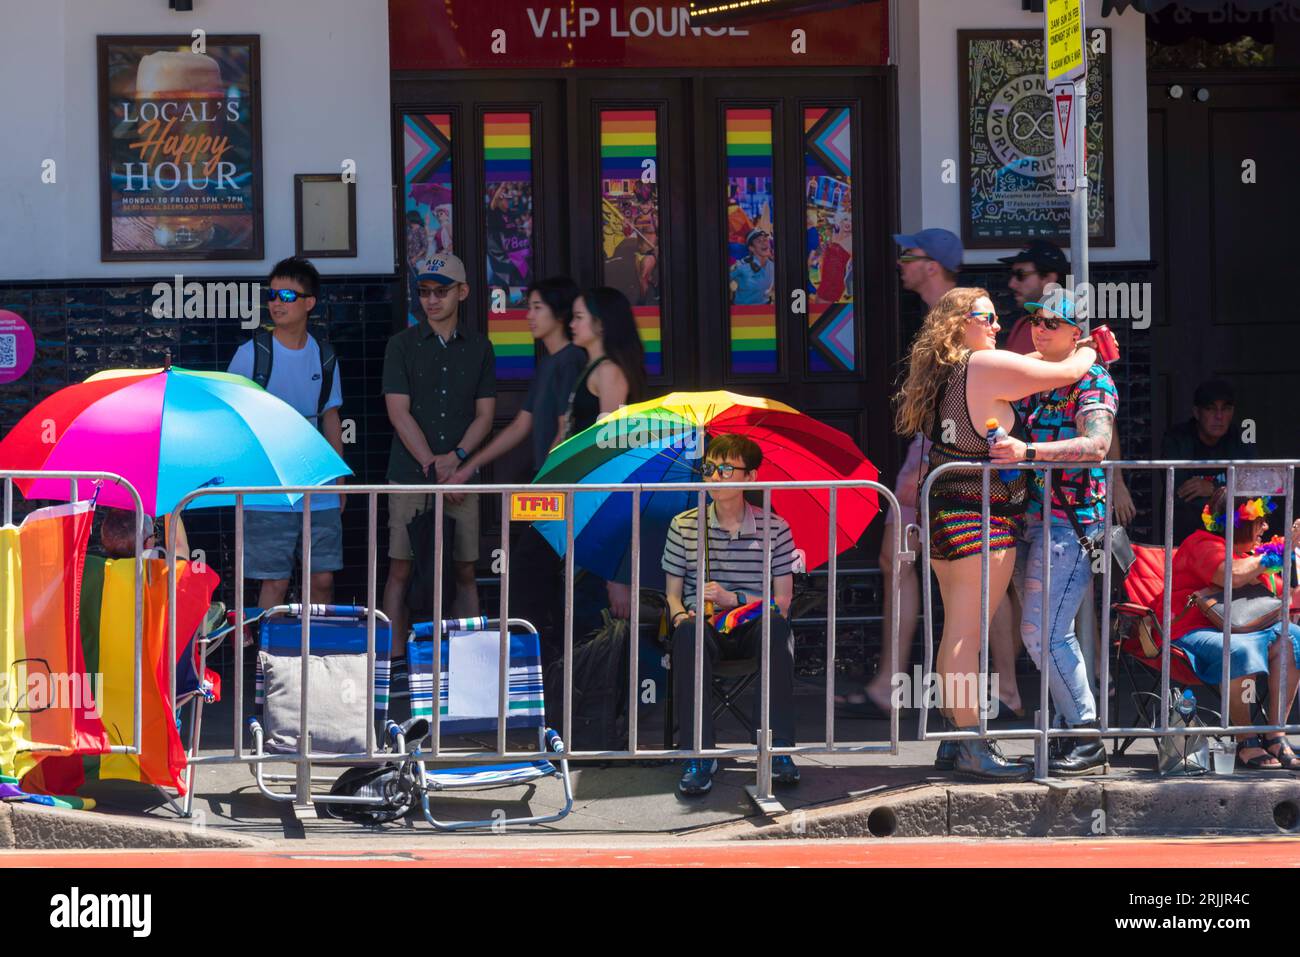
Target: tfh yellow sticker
[536, 507]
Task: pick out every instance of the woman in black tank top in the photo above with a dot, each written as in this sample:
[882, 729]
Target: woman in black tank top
[956, 380]
[604, 325]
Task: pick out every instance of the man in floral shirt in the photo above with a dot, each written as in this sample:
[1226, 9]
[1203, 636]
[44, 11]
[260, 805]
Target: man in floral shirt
[1070, 424]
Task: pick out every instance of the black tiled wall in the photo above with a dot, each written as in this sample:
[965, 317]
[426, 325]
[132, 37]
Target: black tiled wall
[83, 328]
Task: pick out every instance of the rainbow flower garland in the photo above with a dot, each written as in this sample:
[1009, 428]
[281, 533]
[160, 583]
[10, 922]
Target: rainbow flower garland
[1255, 508]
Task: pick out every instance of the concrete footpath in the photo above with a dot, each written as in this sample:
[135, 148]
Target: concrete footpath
[881, 797]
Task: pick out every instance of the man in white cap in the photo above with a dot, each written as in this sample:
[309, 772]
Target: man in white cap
[440, 389]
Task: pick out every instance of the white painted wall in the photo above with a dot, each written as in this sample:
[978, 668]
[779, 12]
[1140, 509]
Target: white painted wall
[325, 98]
[930, 119]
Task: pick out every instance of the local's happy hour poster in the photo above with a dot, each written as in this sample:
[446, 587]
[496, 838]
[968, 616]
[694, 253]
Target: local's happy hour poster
[180, 148]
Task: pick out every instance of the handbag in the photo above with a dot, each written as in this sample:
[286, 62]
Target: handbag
[1181, 755]
[1122, 555]
[1254, 607]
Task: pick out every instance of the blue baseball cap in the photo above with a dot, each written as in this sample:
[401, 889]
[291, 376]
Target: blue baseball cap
[939, 244]
[1059, 303]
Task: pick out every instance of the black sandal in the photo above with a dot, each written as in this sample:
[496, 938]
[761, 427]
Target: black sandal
[1260, 761]
[1284, 753]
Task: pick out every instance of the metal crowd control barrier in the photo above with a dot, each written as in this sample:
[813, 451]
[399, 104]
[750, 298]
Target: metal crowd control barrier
[73, 478]
[1043, 732]
[764, 751]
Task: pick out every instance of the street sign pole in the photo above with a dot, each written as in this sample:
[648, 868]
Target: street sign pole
[1079, 201]
[1065, 62]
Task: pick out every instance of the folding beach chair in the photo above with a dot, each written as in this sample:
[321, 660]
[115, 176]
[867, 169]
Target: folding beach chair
[337, 685]
[1137, 630]
[467, 696]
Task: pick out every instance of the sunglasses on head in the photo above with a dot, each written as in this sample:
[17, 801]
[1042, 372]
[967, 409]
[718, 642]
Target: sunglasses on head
[1020, 275]
[724, 470]
[438, 292]
[988, 318]
[909, 258]
[1050, 323]
[286, 295]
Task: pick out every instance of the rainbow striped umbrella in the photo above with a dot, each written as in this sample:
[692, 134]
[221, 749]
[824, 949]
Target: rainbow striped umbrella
[664, 440]
[168, 432]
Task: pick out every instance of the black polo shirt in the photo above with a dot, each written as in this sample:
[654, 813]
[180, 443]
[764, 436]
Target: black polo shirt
[443, 380]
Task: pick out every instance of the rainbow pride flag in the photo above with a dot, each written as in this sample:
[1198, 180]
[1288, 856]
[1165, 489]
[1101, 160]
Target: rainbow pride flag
[108, 636]
[508, 158]
[725, 621]
[46, 706]
[749, 162]
[628, 139]
[753, 339]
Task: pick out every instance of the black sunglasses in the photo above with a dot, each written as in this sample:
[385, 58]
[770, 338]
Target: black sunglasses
[1051, 323]
[1020, 275]
[725, 470]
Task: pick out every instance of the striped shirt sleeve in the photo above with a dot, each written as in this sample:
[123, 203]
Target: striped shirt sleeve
[782, 548]
[674, 560]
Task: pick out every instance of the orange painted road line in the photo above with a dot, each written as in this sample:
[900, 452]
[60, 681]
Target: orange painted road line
[1120, 853]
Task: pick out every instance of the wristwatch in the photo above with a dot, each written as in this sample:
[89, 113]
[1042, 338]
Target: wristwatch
[741, 598]
[462, 454]
[1030, 453]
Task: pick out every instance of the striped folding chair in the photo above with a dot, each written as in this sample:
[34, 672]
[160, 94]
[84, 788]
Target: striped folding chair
[467, 696]
[336, 699]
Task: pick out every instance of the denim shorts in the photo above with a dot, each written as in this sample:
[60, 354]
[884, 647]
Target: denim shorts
[1248, 654]
[272, 543]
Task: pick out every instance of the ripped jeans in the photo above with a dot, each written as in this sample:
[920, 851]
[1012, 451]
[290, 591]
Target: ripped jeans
[1071, 573]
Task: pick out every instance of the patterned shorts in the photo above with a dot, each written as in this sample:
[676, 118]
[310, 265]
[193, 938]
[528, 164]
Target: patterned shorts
[955, 533]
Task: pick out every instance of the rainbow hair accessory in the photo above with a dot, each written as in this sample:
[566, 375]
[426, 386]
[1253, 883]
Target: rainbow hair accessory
[1255, 508]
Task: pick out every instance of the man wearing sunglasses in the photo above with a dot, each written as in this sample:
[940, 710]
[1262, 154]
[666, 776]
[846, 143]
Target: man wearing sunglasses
[734, 579]
[1073, 423]
[292, 365]
[440, 390]
[1032, 269]
[929, 263]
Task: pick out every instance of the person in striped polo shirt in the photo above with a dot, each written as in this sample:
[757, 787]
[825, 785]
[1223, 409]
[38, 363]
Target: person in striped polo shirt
[733, 579]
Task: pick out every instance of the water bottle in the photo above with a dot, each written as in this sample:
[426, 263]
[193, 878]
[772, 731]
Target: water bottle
[1186, 705]
[994, 433]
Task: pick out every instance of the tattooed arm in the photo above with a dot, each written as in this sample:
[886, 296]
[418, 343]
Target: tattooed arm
[1091, 445]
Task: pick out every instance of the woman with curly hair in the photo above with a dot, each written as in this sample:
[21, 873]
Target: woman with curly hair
[956, 381]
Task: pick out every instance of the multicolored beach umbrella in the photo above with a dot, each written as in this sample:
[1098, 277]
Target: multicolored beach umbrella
[168, 432]
[664, 440]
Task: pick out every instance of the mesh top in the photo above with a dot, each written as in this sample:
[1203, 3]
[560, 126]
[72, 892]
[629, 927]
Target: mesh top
[961, 489]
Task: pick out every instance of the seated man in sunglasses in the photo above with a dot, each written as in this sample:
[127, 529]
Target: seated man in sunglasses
[291, 364]
[733, 582]
[1073, 423]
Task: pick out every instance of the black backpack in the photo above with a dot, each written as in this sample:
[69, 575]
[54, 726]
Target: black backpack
[264, 355]
[599, 690]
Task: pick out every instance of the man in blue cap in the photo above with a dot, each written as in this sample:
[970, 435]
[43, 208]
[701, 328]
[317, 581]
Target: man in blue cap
[1074, 423]
[929, 263]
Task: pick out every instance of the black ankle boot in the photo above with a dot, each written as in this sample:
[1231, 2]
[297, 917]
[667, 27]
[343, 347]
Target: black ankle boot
[983, 761]
[947, 754]
[1080, 756]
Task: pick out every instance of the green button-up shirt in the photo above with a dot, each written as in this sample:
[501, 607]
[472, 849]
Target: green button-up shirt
[443, 380]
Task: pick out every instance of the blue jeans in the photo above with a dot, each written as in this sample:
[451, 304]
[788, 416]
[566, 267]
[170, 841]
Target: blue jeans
[1071, 573]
